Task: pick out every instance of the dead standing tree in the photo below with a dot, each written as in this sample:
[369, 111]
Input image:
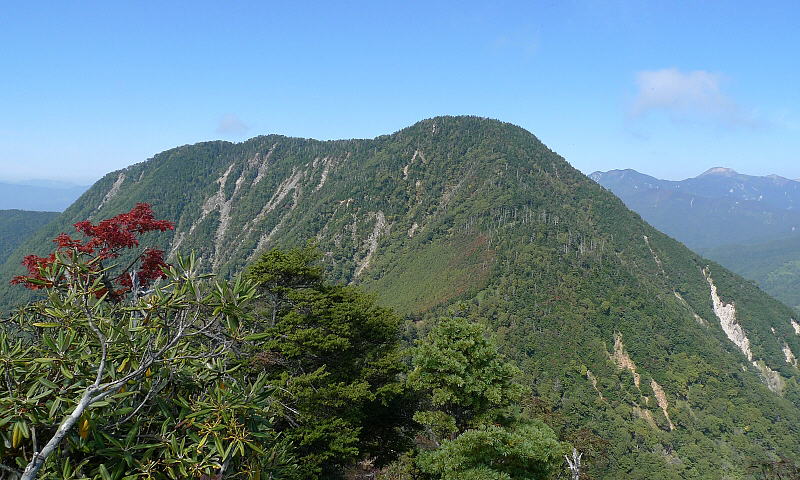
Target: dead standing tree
[574, 464]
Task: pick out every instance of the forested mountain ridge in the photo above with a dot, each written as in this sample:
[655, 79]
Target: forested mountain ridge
[656, 362]
[749, 224]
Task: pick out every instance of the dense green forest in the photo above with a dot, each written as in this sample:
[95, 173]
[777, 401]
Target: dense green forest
[774, 266]
[280, 374]
[652, 361]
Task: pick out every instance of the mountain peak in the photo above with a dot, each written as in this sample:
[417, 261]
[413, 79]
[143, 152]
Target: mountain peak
[773, 176]
[613, 173]
[727, 172]
[478, 215]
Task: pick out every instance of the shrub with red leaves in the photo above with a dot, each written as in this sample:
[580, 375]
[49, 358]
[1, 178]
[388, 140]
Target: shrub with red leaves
[105, 241]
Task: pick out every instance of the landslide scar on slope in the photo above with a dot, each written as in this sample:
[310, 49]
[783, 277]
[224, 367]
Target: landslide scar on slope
[622, 360]
[661, 398]
[790, 358]
[406, 168]
[380, 229]
[726, 313]
[113, 191]
[590, 376]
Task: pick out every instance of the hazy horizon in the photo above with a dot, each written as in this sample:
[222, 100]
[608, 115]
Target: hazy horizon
[66, 181]
[664, 88]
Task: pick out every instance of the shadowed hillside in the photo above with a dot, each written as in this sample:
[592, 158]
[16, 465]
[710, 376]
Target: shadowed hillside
[18, 225]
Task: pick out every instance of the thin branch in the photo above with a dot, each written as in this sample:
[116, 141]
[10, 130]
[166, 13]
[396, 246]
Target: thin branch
[100, 337]
[147, 397]
[33, 438]
[146, 362]
[39, 457]
[11, 471]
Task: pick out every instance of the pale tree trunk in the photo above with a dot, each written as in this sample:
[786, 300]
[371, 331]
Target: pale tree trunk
[574, 464]
[39, 457]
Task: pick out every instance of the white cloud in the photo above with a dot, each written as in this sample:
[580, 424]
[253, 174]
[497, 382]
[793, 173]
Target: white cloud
[230, 124]
[687, 96]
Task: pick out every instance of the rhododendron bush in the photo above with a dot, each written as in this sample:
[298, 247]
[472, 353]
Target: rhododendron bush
[105, 242]
[131, 368]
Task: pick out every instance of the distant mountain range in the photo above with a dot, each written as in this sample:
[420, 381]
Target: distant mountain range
[664, 364]
[750, 224]
[719, 207]
[39, 195]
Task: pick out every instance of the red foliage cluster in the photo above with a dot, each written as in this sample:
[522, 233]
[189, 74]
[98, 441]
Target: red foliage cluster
[106, 240]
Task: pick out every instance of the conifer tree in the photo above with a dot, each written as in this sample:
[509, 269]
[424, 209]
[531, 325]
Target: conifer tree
[474, 429]
[338, 358]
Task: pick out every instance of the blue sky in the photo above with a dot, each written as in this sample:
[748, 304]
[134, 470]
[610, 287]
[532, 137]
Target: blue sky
[667, 88]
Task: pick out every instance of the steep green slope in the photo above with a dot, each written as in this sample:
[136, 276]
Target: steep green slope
[629, 340]
[18, 225]
[748, 224]
[774, 266]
